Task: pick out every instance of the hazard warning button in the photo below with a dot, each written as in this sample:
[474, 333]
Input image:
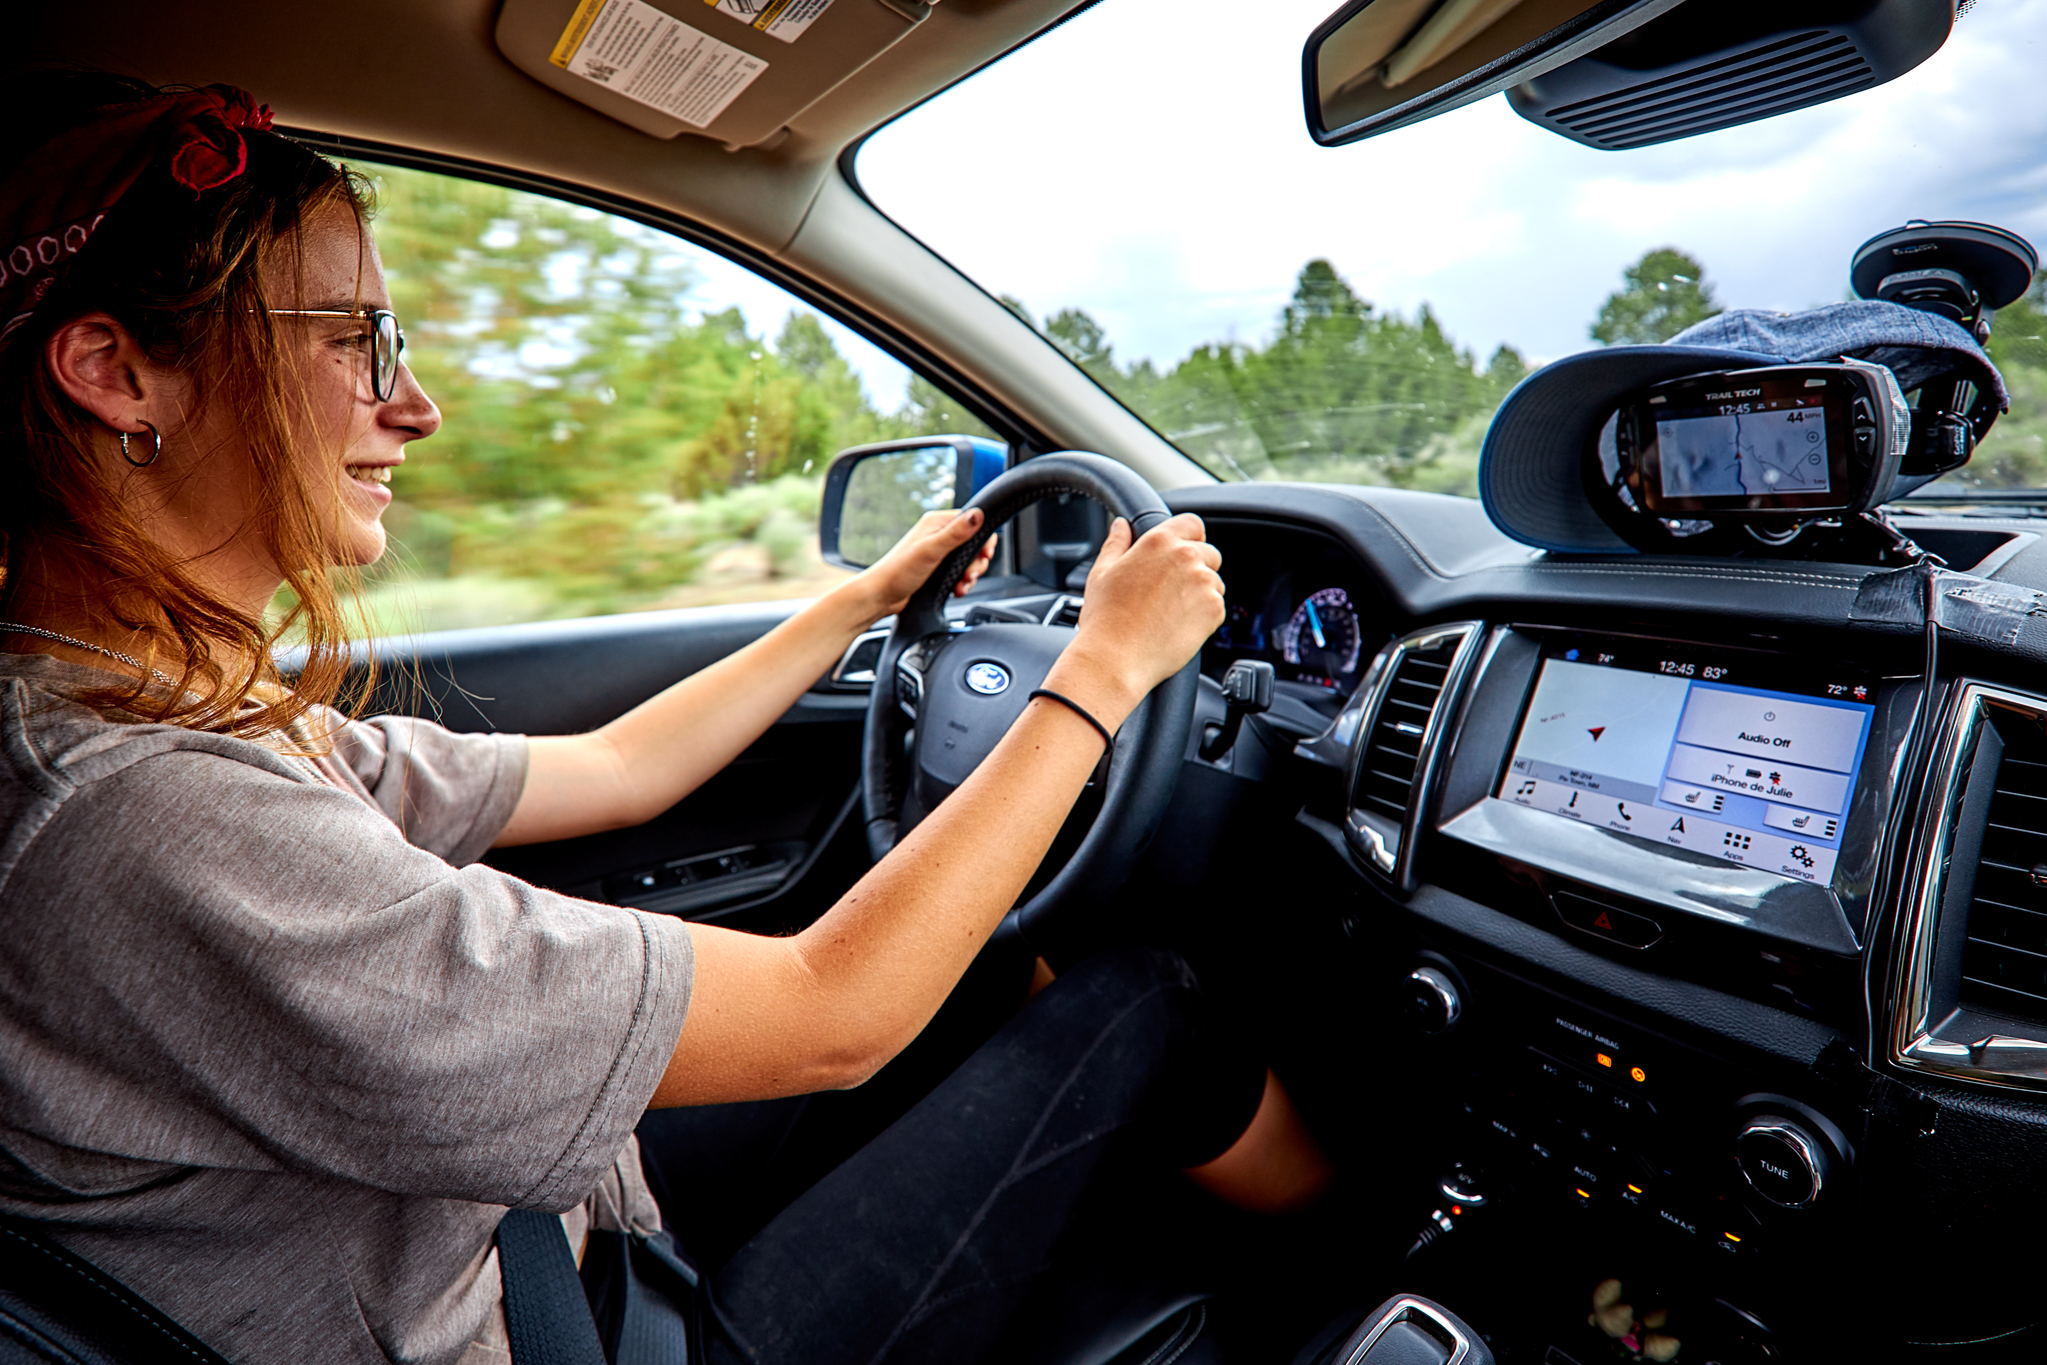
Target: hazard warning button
[1609, 922]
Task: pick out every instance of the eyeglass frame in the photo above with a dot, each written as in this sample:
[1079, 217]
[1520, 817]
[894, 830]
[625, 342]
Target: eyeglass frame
[381, 387]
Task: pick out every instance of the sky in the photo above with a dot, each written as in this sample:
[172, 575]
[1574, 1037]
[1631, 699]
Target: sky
[1149, 161]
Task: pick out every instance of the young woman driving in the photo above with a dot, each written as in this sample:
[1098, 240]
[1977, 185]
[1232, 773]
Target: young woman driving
[275, 1050]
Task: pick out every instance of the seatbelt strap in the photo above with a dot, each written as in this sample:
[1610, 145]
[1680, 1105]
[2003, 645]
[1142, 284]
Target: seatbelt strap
[547, 1317]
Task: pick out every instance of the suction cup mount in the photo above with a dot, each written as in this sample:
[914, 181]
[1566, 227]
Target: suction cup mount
[1963, 272]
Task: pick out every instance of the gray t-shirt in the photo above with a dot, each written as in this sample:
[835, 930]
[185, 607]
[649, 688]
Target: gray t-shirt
[279, 1062]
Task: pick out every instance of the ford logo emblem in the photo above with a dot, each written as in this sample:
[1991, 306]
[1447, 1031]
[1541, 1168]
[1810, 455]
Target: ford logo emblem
[987, 678]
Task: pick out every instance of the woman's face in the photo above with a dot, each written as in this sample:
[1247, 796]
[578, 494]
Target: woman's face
[356, 441]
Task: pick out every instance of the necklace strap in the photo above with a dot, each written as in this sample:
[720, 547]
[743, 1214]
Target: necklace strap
[16, 628]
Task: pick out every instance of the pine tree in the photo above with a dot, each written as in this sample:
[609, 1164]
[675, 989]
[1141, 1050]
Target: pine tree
[1660, 295]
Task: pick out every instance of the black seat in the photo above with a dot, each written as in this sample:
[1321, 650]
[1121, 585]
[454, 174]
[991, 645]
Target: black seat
[56, 1309]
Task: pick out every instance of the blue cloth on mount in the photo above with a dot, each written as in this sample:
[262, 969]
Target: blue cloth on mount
[1913, 345]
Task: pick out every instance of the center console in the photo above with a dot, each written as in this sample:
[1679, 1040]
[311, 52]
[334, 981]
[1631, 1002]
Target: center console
[1689, 812]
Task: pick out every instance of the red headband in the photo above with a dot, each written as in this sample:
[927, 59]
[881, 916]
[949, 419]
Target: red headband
[56, 196]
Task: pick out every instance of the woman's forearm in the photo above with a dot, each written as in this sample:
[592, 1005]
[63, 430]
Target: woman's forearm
[630, 770]
[860, 983]
[639, 765]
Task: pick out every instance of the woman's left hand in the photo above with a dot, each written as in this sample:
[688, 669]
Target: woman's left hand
[891, 580]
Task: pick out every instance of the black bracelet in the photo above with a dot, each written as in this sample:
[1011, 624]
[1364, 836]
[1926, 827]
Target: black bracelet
[1078, 710]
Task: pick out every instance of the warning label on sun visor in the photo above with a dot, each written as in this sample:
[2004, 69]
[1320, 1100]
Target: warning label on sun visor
[655, 59]
[784, 19]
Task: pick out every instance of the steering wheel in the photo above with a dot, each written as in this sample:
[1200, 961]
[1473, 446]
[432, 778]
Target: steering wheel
[937, 710]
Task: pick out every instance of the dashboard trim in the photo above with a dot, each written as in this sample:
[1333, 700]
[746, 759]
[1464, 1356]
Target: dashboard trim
[1396, 863]
[1999, 1061]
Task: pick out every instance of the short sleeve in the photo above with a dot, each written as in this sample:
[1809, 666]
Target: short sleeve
[450, 793]
[212, 964]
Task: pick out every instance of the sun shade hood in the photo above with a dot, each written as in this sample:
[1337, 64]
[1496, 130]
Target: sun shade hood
[1531, 470]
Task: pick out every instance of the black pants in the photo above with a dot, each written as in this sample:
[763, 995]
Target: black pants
[922, 1244]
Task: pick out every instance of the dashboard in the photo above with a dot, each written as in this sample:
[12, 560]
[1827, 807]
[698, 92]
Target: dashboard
[1720, 936]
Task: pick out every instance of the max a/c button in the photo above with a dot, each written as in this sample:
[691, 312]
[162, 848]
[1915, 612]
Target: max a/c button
[1619, 926]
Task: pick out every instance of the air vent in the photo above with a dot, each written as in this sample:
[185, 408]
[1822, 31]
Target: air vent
[1393, 746]
[2004, 960]
[1391, 758]
[1808, 68]
[1064, 612]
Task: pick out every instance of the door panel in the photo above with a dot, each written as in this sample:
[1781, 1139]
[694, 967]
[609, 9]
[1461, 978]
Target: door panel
[768, 843]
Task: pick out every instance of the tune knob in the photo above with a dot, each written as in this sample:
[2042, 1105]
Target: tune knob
[1433, 1004]
[1783, 1160]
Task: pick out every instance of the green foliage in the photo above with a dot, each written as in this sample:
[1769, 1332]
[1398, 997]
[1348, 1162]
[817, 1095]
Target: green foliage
[603, 439]
[1661, 295]
[2014, 453]
[1340, 393]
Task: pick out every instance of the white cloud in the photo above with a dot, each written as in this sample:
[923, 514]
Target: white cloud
[1148, 161]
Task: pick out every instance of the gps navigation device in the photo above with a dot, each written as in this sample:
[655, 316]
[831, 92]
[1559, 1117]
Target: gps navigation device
[1774, 443]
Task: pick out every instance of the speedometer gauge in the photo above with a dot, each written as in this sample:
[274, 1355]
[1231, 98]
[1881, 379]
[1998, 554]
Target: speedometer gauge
[1322, 637]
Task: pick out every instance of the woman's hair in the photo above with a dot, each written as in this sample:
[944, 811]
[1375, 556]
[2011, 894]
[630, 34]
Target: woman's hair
[179, 271]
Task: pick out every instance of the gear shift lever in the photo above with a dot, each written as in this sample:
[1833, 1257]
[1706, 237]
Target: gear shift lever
[1408, 1329]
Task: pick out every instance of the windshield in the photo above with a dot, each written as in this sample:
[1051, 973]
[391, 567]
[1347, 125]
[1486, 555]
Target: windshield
[1143, 190]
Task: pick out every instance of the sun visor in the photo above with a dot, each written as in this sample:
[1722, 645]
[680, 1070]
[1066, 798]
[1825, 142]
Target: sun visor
[736, 71]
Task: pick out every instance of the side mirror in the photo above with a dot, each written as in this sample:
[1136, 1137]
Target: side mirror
[874, 493]
[1376, 65]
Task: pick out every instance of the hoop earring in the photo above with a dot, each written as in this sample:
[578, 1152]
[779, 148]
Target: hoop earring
[155, 450]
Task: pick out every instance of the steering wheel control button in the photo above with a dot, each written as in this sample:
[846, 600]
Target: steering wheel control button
[1609, 922]
[1783, 1162]
[987, 678]
[1433, 1002]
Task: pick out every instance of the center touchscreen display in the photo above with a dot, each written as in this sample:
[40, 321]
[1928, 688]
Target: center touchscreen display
[1746, 757]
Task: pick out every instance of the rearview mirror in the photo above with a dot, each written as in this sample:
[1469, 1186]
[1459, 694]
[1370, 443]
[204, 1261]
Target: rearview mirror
[874, 493]
[1375, 65]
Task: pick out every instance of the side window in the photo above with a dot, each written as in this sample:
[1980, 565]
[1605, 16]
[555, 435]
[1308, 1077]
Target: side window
[630, 421]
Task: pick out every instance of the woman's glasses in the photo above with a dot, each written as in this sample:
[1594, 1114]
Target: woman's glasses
[387, 341]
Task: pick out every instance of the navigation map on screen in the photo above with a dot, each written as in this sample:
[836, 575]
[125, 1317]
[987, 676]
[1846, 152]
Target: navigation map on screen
[1724, 454]
[1674, 745]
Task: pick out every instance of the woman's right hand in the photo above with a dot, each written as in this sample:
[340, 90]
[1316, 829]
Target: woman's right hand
[1148, 607]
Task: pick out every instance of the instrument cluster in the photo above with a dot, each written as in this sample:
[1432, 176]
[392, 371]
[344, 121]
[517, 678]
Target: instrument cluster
[1294, 600]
